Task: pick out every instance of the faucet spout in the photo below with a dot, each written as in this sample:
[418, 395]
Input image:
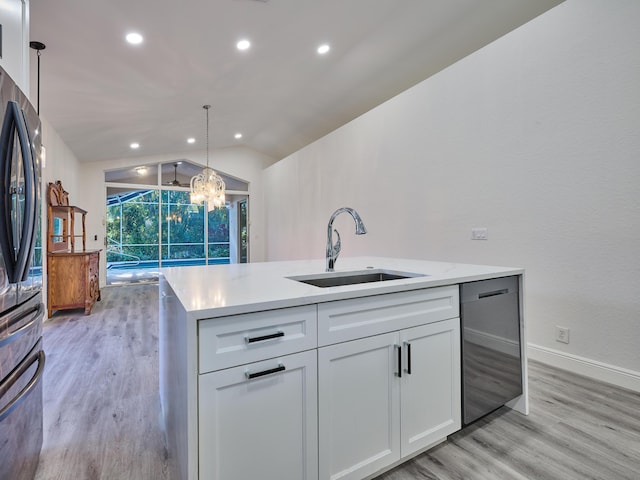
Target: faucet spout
[333, 250]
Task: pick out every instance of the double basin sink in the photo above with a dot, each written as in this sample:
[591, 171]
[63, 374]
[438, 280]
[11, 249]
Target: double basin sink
[337, 279]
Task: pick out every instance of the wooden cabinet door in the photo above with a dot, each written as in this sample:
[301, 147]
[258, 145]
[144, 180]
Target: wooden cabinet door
[67, 281]
[264, 427]
[359, 407]
[430, 408]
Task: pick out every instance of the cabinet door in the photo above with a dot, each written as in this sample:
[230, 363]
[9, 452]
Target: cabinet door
[431, 386]
[67, 281]
[264, 427]
[359, 407]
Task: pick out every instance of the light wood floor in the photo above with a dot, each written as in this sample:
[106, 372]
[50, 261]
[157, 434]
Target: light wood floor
[102, 412]
[101, 404]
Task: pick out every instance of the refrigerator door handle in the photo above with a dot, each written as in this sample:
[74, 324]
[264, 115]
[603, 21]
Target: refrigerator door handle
[31, 195]
[36, 312]
[6, 228]
[39, 357]
[17, 257]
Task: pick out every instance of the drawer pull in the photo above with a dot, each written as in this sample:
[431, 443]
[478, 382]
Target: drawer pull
[277, 369]
[263, 337]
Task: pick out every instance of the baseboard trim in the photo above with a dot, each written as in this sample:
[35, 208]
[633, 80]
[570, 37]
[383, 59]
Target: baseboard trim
[605, 372]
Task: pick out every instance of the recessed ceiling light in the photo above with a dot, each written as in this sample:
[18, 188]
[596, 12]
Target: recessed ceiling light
[322, 49]
[191, 140]
[243, 44]
[141, 170]
[134, 38]
[135, 145]
[238, 135]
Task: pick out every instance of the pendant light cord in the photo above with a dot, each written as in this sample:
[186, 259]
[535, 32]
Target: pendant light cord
[38, 47]
[206, 109]
[38, 81]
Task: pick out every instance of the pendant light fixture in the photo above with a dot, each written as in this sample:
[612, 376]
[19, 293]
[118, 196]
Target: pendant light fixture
[208, 186]
[38, 47]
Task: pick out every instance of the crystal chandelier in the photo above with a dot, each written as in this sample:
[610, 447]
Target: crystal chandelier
[208, 186]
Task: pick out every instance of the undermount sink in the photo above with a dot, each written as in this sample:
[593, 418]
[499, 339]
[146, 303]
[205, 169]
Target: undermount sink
[337, 279]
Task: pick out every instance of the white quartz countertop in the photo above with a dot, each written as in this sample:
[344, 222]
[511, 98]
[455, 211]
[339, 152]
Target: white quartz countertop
[218, 290]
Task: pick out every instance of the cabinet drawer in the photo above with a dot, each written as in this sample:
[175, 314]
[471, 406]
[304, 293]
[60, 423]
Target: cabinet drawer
[238, 339]
[345, 320]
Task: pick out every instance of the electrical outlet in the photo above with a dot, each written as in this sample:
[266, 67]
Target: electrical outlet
[562, 334]
[480, 233]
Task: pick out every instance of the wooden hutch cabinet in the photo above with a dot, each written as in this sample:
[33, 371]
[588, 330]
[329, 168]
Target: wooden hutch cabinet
[73, 272]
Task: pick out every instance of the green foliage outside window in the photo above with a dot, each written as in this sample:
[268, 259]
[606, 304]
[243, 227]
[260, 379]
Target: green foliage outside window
[132, 228]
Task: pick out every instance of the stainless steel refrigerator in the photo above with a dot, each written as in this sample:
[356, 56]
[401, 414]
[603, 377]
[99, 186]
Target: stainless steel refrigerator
[22, 357]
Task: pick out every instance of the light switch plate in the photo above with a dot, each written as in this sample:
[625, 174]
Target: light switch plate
[562, 334]
[480, 233]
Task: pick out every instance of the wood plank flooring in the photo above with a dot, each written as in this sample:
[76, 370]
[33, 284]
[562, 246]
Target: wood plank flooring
[102, 413]
[577, 429]
[101, 404]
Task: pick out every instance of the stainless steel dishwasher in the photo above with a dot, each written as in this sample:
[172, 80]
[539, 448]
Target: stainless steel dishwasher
[491, 365]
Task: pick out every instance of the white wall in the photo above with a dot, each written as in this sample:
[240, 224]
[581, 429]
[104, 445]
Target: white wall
[14, 18]
[60, 163]
[536, 137]
[239, 162]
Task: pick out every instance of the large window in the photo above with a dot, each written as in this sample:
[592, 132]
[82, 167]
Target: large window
[182, 229]
[132, 228]
[151, 227]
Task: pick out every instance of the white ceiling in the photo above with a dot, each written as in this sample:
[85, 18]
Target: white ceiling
[101, 94]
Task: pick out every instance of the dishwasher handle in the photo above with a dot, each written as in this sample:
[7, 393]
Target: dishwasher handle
[484, 290]
[494, 293]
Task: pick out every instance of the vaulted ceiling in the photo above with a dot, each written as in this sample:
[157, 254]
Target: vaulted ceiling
[101, 94]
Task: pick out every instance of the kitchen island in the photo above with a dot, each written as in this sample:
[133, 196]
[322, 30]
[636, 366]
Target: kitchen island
[265, 376]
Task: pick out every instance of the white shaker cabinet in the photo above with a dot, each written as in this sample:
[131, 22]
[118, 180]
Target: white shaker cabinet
[260, 420]
[430, 401]
[359, 407]
[369, 416]
[385, 397]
